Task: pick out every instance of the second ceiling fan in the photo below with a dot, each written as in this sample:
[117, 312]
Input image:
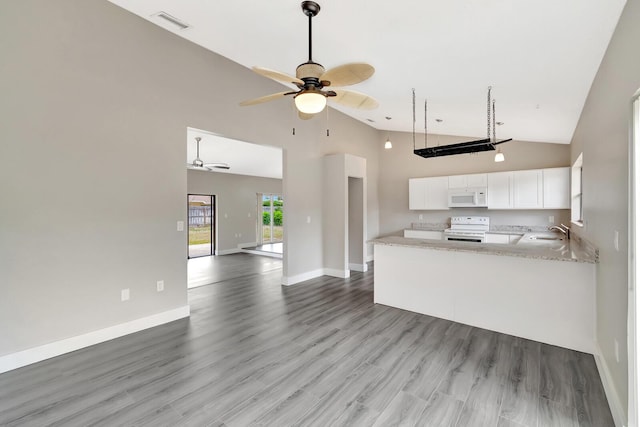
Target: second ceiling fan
[311, 78]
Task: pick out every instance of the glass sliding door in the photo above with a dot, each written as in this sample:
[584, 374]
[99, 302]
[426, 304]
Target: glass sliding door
[201, 210]
[272, 218]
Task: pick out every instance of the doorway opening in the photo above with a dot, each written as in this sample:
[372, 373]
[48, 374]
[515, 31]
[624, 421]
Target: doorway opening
[201, 215]
[270, 223]
[356, 224]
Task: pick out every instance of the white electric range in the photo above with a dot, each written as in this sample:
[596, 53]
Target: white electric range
[467, 229]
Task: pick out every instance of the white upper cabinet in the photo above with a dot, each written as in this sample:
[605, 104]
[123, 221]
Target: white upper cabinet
[500, 190]
[417, 193]
[428, 193]
[465, 181]
[527, 189]
[438, 193]
[557, 188]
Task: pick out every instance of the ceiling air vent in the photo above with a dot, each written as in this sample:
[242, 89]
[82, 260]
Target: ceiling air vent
[175, 22]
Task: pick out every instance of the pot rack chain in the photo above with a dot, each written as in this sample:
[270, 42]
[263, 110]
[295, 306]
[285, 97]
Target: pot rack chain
[414, 117]
[489, 113]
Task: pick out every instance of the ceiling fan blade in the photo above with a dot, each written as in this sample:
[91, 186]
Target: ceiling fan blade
[277, 76]
[305, 116]
[348, 74]
[266, 98]
[352, 99]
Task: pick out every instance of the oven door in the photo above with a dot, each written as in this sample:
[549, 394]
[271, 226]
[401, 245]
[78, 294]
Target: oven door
[463, 238]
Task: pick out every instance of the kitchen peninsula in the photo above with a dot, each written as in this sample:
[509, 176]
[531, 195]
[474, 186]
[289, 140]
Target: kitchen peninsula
[534, 290]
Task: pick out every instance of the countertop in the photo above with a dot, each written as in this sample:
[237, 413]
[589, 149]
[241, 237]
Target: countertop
[573, 250]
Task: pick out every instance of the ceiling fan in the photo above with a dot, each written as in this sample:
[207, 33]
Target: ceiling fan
[200, 165]
[311, 78]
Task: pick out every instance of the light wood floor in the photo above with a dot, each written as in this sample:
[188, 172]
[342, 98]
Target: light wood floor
[316, 354]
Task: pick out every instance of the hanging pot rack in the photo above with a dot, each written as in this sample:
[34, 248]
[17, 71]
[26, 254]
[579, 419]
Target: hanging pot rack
[486, 144]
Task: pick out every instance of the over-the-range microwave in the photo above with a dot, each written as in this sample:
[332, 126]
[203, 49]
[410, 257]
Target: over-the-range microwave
[468, 198]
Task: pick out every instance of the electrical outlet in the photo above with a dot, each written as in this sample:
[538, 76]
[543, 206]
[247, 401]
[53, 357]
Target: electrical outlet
[308, 220]
[616, 349]
[552, 219]
[420, 217]
[225, 215]
[249, 215]
[616, 240]
[160, 285]
[180, 226]
[124, 295]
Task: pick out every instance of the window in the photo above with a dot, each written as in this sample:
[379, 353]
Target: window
[576, 192]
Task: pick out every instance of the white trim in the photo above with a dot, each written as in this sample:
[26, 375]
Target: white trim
[57, 348]
[615, 405]
[334, 272]
[358, 267]
[292, 280]
[262, 253]
[229, 251]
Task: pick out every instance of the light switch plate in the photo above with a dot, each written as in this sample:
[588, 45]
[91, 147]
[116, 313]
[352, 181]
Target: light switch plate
[124, 295]
[308, 220]
[160, 285]
[616, 240]
[180, 226]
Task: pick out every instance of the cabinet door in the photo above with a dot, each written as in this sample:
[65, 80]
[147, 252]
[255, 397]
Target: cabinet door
[477, 180]
[418, 193]
[423, 234]
[527, 189]
[496, 238]
[437, 193]
[500, 189]
[557, 188]
[458, 181]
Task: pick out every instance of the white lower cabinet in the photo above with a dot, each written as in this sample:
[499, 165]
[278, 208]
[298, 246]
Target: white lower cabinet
[504, 239]
[496, 238]
[424, 234]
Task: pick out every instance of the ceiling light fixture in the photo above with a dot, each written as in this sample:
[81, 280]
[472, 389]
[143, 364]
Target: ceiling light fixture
[310, 102]
[388, 145]
[499, 156]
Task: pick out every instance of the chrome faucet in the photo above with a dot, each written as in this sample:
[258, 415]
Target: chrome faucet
[563, 229]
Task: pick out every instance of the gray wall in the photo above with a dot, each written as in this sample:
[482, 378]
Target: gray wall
[603, 136]
[399, 164]
[94, 113]
[236, 204]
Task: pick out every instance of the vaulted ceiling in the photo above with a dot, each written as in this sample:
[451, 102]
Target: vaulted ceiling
[539, 56]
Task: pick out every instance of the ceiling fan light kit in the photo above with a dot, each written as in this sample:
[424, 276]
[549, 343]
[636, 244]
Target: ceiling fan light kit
[476, 146]
[310, 102]
[311, 78]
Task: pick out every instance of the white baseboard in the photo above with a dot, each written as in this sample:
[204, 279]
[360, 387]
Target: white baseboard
[292, 280]
[358, 267]
[57, 348]
[237, 250]
[615, 405]
[229, 251]
[333, 272]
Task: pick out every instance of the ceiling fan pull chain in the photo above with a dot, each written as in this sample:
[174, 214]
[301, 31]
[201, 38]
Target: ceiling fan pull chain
[327, 120]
